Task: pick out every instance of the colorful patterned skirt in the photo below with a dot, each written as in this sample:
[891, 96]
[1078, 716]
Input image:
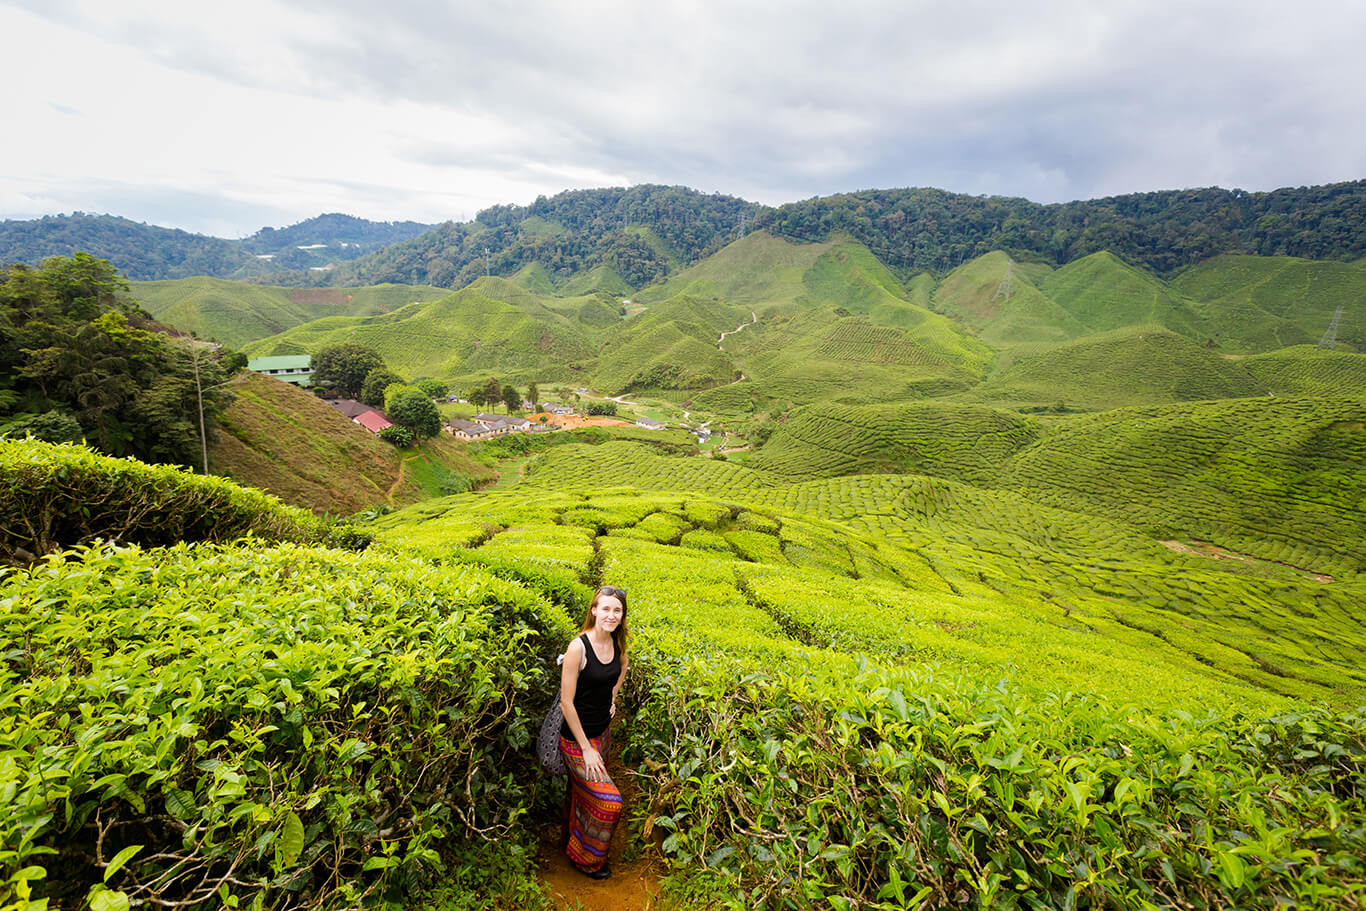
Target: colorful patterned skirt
[592, 808]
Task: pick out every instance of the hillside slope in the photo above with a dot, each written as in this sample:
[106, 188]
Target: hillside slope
[236, 313]
[289, 442]
[490, 327]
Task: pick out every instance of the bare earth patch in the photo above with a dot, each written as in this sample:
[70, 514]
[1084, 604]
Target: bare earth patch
[1205, 549]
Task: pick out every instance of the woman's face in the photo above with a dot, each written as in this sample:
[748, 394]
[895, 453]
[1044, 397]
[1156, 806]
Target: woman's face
[607, 613]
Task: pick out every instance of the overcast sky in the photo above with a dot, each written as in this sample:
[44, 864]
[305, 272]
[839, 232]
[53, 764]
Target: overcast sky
[225, 117]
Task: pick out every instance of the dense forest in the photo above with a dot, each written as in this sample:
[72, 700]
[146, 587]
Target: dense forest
[646, 232]
[643, 233]
[144, 252]
[79, 359]
[918, 229]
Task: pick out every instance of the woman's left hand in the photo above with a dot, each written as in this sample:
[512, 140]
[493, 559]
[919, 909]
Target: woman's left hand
[612, 709]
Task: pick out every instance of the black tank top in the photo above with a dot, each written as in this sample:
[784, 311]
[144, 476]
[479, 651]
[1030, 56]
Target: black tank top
[593, 695]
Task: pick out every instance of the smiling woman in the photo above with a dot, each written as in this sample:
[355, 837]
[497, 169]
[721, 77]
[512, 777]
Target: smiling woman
[594, 667]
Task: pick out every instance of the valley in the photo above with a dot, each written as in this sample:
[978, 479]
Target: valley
[1022, 583]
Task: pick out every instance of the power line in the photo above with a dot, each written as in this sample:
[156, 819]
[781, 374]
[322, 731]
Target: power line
[1003, 289]
[1330, 338]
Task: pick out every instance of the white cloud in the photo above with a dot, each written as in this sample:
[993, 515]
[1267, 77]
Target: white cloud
[430, 111]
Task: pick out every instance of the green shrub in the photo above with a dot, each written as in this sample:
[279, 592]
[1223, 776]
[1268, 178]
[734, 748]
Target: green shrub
[894, 790]
[284, 723]
[402, 437]
[60, 495]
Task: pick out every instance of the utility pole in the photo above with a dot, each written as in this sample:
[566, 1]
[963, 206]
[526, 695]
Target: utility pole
[487, 270]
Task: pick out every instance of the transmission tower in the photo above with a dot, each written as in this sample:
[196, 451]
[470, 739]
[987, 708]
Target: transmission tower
[741, 232]
[1330, 338]
[487, 271]
[1003, 289]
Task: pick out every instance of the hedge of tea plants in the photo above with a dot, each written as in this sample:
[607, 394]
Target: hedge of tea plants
[55, 496]
[257, 725]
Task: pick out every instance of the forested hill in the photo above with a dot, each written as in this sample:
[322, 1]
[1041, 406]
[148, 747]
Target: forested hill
[634, 236]
[641, 233]
[138, 251]
[145, 252]
[917, 229]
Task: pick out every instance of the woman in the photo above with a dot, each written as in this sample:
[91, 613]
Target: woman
[594, 668]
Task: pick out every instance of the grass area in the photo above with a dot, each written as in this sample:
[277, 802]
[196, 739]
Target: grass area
[291, 443]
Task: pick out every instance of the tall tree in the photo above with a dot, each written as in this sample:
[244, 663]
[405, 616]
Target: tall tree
[71, 343]
[493, 392]
[411, 408]
[512, 399]
[376, 381]
[344, 367]
[533, 395]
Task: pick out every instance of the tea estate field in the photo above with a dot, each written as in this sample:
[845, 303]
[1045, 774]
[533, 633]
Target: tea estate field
[847, 691]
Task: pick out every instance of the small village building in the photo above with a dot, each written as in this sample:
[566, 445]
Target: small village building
[292, 368]
[469, 430]
[557, 408]
[350, 407]
[373, 421]
[649, 424]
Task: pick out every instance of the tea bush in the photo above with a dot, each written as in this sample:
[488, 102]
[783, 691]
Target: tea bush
[257, 725]
[59, 495]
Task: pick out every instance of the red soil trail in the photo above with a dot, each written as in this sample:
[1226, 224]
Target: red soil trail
[633, 886]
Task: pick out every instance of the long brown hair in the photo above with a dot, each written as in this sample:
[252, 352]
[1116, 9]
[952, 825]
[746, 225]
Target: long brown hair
[619, 634]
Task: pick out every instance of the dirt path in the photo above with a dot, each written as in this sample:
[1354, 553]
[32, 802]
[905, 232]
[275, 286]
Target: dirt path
[393, 488]
[754, 318]
[633, 885]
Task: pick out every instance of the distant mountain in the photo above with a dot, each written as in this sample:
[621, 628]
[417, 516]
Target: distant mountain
[642, 234]
[621, 239]
[926, 229]
[145, 252]
[139, 251]
[320, 242]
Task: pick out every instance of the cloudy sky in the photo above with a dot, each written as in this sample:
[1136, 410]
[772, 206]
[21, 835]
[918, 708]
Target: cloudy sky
[225, 117]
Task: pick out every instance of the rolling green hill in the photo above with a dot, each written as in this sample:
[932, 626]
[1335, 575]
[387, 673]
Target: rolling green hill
[672, 345]
[491, 326]
[1103, 293]
[1305, 370]
[1261, 303]
[235, 313]
[1131, 366]
[964, 442]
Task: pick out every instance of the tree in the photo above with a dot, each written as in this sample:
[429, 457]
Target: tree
[533, 395]
[344, 367]
[50, 426]
[412, 409]
[512, 399]
[476, 396]
[71, 345]
[493, 392]
[607, 407]
[376, 381]
[435, 389]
